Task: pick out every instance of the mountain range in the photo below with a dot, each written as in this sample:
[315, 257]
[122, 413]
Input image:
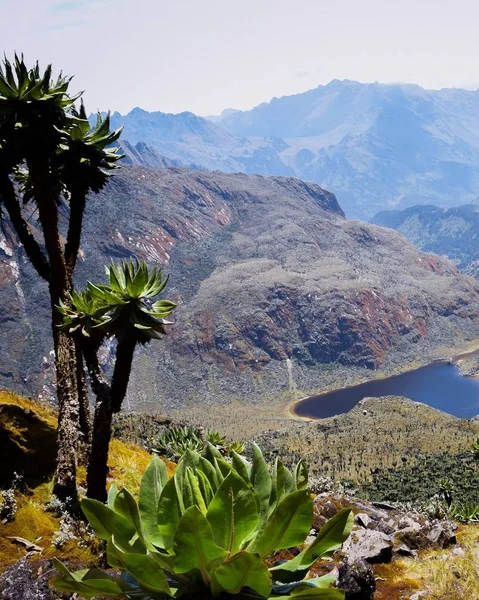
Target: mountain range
[276, 290]
[452, 232]
[376, 146]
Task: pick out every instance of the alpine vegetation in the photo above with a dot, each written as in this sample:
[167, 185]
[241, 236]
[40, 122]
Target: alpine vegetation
[211, 529]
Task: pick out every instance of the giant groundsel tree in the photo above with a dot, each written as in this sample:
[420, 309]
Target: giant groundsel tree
[125, 309]
[49, 155]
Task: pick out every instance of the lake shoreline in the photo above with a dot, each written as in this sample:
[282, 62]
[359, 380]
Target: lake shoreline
[466, 362]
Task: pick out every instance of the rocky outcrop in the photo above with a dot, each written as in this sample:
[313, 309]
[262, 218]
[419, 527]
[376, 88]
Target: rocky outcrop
[274, 288]
[383, 531]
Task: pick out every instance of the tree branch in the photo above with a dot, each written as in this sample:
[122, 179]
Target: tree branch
[25, 235]
[75, 224]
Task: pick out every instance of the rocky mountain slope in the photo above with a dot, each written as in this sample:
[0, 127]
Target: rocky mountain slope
[375, 146]
[277, 291]
[189, 139]
[453, 232]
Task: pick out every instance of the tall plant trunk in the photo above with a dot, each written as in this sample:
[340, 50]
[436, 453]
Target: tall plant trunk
[77, 210]
[109, 401]
[97, 471]
[84, 401]
[121, 374]
[65, 357]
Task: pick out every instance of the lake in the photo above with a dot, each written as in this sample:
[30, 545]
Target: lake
[439, 385]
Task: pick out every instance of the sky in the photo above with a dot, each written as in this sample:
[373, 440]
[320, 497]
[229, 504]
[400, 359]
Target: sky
[208, 55]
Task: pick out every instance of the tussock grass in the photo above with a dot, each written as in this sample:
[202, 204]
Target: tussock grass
[33, 521]
[445, 575]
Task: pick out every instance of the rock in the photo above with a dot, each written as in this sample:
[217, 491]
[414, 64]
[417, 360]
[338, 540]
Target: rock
[456, 573]
[363, 520]
[407, 552]
[357, 580]
[408, 523]
[27, 580]
[386, 527]
[384, 505]
[326, 508]
[372, 546]
[458, 551]
[440, 535]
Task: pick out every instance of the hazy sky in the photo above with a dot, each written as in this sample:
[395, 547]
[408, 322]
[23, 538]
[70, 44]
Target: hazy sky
[207, 55]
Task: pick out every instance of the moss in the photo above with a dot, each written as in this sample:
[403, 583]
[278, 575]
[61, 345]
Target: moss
[33, 522]
[27, 440]
[393, 582]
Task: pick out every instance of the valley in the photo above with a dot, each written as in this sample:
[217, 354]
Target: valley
[279, 294]
[239, 353]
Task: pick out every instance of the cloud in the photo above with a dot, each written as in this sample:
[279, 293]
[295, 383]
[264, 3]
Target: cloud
[66, 6]
[303, 73]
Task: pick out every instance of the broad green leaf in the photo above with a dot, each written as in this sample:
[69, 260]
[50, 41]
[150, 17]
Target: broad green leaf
[243, 570]
[106, 522]
[288, 526]
[261, 480]
[325, 582]
[88, 582]
[241, 466]
[194, 545]
[224, 467]
[205, 488]
[301, 475]
[126, 506]
[233, 513]
[151, 485]
[194, 488]
[150, 577]
[278, 484]
[209, 470]
[210, 453]
[329, 539]
[112, 494]
[169, 512]
[314, 594]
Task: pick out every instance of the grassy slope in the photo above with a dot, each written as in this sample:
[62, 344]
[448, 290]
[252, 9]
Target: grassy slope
[392, 432]
[33, 522]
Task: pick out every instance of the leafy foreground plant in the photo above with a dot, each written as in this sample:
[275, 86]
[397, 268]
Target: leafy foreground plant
[177, 439]
[211, 529]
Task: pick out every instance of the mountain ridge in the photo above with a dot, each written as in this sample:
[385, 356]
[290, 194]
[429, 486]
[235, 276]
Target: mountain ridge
[376, 146]
[276, 290]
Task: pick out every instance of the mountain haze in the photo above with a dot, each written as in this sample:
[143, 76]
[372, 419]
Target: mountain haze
[453, 232]
[375, 146]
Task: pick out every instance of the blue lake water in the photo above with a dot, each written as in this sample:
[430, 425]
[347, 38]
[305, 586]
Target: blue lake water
[439, 384]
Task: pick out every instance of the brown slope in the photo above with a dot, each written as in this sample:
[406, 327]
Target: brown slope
[266, 270]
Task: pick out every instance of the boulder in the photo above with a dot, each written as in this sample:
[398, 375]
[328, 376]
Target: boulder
[357, 580]
[363, 520]
[372, 546]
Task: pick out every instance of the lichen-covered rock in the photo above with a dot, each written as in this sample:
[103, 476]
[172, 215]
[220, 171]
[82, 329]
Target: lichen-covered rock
[357, 580]
[369, 545]
[27, 580]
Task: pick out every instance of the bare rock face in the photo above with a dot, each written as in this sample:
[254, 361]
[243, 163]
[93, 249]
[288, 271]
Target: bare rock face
[272, 285]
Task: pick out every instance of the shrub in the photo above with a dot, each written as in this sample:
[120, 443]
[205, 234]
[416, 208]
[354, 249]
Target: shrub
[178, 439]
[211, 529]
